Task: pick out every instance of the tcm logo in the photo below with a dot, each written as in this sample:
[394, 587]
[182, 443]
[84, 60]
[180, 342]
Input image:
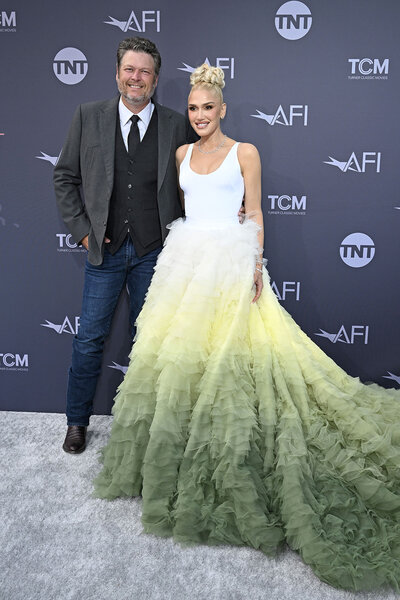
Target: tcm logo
[139, 22]
[357, 250]
[395, 378]
[368, 160]
[287, 205]
[70, 66]
[289, 289]
[65, 243]
[357, 333]
[51, 159]
[280, 117]
[8, 21]
[368, 68]
[293, 20]
[14, 362]
[227, 64]
[70, 326]
[121, 368]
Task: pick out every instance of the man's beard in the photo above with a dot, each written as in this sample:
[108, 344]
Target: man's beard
[137, 99]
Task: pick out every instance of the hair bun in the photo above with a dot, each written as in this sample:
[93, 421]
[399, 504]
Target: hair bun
[207, 74]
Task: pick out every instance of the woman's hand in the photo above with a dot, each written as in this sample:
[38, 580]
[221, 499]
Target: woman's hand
[258, 282]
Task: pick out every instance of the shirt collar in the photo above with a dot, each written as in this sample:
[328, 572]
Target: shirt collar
[125, 114]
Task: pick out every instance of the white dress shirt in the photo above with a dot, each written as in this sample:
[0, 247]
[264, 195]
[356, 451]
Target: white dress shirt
[125, 122]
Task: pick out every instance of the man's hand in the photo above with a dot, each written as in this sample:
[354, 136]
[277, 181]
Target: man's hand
[85, 241]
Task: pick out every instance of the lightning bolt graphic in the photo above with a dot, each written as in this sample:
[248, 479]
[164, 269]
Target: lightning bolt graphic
[189, 69]
[336, 163]
[123, 25]
[332, 337]
[118, 367]
[51, 159]
[57, 328]
[395, 378]
[263, 116]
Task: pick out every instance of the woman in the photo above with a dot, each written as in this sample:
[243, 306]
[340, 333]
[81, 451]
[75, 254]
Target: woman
[230, 422]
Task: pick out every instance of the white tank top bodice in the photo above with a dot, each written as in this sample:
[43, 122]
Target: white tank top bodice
[215, 197]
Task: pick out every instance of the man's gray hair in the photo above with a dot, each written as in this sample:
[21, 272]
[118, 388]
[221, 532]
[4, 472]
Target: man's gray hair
[138, 44]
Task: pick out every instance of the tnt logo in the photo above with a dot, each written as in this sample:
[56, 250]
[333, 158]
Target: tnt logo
[357, 250]
[138, 22]
[70, 326]
[357, 333]
[226, 64]
[371, 160]
[286, 118]
[368, 68]
[288, 205]
[8, 21]
[70, 66]
[288, 288]
[14, 362]
[293, 20]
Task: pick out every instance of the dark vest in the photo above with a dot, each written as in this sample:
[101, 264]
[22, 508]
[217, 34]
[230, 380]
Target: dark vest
[133, 205]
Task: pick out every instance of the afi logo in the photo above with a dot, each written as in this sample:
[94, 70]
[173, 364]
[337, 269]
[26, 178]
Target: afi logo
[51, 159]
[287, 288]
[293, 20]
[118, 367]
[227, 64]
[357, 250]
[395, 378]
[8, 22]
[13, 361]
[356, 332]
[287, 204]
[65, 327]
[135, 23]
[70, 66]
[368, 66]
[280, 117]
[354, 164]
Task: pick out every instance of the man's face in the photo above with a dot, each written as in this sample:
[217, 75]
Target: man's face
[136, 79]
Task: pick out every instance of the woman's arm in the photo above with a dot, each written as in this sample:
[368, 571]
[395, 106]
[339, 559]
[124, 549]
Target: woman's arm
[250, 164]
[179, 156]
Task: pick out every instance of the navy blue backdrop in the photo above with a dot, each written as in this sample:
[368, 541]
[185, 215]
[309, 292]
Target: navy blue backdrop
[314, 85]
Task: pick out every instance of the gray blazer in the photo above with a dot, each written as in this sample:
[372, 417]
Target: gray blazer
[84, 174]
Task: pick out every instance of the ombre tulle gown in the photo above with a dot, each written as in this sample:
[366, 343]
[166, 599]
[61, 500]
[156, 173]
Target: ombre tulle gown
[235, 427]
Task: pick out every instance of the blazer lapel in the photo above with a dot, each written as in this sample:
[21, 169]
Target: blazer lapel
[108, 120]
[165, 137]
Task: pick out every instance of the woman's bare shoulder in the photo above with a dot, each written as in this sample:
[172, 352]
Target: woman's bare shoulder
[247, 151]
[181, 153]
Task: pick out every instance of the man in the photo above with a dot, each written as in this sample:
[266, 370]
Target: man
[121, 154]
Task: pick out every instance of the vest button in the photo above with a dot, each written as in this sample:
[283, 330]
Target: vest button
[129, 185]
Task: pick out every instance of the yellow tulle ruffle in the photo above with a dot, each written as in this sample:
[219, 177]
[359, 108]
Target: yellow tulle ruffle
[237, 429]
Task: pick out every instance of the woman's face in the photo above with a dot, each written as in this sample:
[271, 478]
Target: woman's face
[205, 110]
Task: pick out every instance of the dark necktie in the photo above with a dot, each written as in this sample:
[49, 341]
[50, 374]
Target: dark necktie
[133, 137]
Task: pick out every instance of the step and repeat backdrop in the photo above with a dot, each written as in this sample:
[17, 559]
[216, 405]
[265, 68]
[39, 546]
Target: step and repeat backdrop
[314, 85]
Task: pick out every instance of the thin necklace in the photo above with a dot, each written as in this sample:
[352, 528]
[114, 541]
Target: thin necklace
[215, 149]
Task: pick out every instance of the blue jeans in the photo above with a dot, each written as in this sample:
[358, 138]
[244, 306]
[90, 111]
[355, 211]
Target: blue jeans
[102, 288]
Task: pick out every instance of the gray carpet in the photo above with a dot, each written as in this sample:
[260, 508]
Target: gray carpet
[57, 542]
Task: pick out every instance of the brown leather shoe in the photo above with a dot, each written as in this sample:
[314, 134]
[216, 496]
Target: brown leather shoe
[75, 440]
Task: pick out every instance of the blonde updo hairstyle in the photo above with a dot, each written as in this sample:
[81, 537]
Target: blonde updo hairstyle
[208, 77]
